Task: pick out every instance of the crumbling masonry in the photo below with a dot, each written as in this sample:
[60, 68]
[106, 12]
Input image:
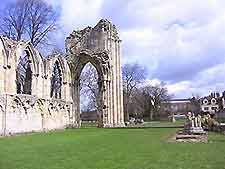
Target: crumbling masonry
[38, 94]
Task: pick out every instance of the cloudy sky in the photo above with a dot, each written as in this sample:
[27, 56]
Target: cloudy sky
[181, 42]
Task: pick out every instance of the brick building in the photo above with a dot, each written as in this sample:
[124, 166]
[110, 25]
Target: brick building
[177, 106]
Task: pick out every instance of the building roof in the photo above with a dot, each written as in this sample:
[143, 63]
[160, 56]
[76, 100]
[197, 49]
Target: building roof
[178, 100]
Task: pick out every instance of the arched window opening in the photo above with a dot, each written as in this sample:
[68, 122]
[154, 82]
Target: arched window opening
[89, 93]
[56, 81]
[24, 74]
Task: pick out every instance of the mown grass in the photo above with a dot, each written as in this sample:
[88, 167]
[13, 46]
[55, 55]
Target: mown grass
[145, 148]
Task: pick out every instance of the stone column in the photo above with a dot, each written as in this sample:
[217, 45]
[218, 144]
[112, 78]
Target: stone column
[113, 83]
[11, 76]
[101, 105]
[109, 104]
[68, 92]
[121, 85]
[5, 78]
[76, 102]
[117, 83]
[105, 101]
[39, 86]
[44, 86]
[47, 88]
[64, 90]
[34, 84]
[2, 78]
[3, 114]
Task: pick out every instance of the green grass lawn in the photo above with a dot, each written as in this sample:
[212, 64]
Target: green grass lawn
[144, 148]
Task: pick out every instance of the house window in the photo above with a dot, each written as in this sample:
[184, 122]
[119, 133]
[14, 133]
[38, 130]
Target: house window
[205, 101]
[213, 101]
[214, 108]
[206, 108]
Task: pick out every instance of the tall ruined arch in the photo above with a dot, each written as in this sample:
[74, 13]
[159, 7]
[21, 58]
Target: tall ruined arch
[100, 46]
[89, 92]
[58, 68]
[3, 63]
[79, 64]
[29, 69]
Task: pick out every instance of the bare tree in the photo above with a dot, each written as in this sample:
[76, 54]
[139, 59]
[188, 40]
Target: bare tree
[195, 103]
[14, 20]
[23, 74]
[154, 96]
[56, 81]
[89, 86]
[41, 21]
[133, 75]
[32, 20]
[136, 106]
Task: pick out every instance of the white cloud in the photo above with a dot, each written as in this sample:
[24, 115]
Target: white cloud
[76, 14]
[179, 41]
[176, 39]
[153, 82]
[159, 13]
[207, 81]
[180, 89]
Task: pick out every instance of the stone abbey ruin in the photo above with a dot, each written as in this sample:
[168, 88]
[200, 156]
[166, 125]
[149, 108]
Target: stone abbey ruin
[41, 94]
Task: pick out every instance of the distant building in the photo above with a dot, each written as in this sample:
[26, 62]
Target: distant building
[89, 116]
[212, 103]
[223, 100]
[177, 106]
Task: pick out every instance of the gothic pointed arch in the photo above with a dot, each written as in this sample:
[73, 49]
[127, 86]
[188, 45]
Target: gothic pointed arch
[24, 74]
[99, 45]
[28, 66]
[56, 81]
[57, 64]
[3, 63]
[101, 62]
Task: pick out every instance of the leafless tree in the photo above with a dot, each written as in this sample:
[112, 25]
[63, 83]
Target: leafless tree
[23, 74]
[195, 103]
[89, 86]
[14, 20]
[136, 106]
[56, 81]
[154, 96]
[133, 75]
[32, 20]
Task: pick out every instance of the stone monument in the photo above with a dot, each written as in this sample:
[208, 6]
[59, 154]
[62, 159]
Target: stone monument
[193, 131]
[101, 46]
[42, 93]
[194, 124]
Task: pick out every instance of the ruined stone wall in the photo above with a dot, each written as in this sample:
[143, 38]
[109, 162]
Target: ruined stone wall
[25, 113]
[40, 111]
[21, 113]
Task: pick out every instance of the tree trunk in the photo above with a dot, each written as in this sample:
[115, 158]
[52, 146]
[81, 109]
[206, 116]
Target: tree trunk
[150, 116]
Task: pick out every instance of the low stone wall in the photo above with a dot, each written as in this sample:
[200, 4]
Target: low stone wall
[26, 113]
